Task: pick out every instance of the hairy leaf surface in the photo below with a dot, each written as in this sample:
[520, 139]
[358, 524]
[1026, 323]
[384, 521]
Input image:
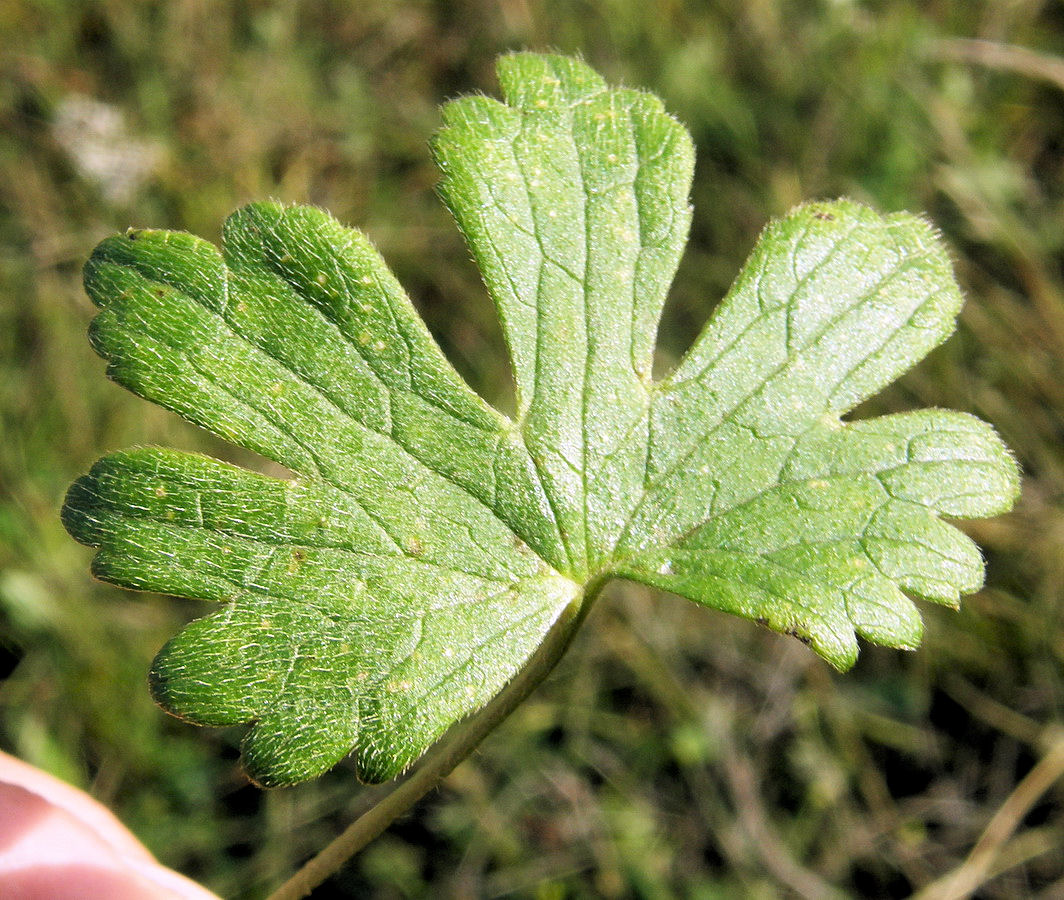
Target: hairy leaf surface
[425, 543]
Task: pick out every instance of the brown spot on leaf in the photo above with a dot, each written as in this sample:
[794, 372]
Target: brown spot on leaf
[298, 556]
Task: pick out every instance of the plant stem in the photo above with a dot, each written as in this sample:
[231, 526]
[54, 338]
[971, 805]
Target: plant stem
[967, 878]
[454, 747]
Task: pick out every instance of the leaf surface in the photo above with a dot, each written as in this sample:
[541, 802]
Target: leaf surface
[425, 543]
[573, 197]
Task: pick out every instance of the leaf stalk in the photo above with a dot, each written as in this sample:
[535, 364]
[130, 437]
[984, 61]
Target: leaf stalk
[443, 758]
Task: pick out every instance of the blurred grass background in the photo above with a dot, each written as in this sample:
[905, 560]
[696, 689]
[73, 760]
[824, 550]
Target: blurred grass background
[676, 752]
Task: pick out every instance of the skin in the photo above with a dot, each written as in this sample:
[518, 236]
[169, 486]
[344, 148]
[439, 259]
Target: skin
[56, 841]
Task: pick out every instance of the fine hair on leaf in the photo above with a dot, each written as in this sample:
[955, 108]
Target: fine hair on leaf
[425, 545]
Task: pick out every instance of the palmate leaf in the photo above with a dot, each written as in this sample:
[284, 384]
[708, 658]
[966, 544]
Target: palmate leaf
[426, 544]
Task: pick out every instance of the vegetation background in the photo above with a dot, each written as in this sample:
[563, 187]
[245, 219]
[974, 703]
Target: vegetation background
[676, 752]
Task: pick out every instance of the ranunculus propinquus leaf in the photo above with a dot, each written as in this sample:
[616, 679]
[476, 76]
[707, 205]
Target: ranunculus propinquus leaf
[425, 543]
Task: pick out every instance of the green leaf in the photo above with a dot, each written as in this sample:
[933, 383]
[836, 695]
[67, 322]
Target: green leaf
[426, 544]
[574, 200]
